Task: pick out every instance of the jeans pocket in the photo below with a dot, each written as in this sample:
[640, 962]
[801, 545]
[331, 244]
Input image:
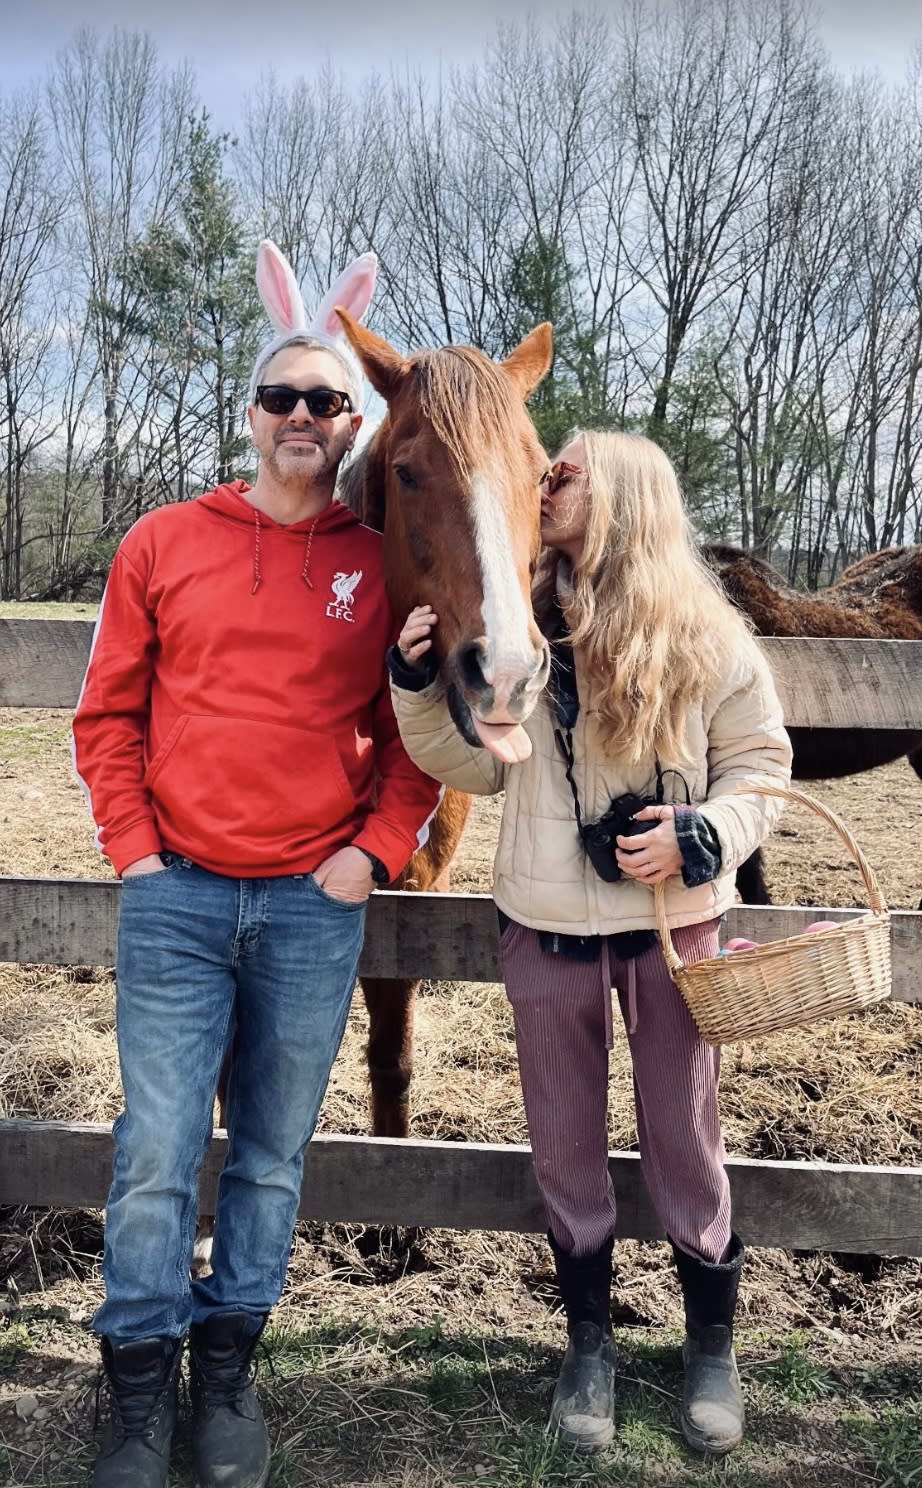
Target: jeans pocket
[171, 866]
[345, 904]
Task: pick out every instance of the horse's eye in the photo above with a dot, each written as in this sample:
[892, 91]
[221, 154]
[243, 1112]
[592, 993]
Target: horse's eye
[405, 477]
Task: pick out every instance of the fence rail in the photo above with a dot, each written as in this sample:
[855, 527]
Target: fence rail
[446, 937]
[865, 685]
[472, 1186]
[822, 683]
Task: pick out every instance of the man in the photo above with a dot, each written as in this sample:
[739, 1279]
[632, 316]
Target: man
[236, 738]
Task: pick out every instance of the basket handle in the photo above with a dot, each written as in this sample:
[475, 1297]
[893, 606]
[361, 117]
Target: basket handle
[876, 901]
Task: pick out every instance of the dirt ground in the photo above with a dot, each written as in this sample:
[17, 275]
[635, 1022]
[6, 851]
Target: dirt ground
[375, 1325]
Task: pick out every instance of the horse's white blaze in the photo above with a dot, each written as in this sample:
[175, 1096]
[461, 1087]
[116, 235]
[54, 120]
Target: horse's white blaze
[511, 655]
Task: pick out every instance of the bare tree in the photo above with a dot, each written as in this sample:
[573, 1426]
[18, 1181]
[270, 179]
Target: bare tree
[708, 86]
[29, 215]
[117, 122]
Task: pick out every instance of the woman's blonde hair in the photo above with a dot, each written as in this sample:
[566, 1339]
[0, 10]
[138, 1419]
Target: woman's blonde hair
[649, 616]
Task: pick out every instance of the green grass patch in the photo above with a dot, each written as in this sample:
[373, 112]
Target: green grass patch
[432, 1407]
[454, 1384]
[15, 1340]
[26, 741]
[14, 609]
[891, 1444]
[794, 1374]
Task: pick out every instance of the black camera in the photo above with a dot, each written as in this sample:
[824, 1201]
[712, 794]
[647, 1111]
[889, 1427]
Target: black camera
[618, 821]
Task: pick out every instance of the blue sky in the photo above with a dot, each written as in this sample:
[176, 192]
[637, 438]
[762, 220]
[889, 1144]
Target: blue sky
[230, 46]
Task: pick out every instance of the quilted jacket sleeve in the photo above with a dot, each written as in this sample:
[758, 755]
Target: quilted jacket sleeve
[747, 744]
[432, 742]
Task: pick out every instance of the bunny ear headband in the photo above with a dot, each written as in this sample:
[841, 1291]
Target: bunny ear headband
[280, 294]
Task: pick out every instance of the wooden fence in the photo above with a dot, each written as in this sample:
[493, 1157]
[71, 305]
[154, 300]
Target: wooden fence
[877, 1210]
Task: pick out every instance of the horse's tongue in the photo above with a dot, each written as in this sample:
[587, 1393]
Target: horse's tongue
[507, 741]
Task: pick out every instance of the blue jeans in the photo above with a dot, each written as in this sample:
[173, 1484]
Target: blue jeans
[269, 963]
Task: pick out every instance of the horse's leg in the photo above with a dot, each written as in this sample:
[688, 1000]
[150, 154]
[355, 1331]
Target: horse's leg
[204, 1229]
[750, 880]
[390, 1052]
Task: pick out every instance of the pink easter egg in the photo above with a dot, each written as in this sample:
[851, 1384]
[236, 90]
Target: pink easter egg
[822, 925]
[739, 944]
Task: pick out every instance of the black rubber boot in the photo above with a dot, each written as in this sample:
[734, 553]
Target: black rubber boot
[583, 1408]
[143, 1382]
[712, 1400]
[229, 1439]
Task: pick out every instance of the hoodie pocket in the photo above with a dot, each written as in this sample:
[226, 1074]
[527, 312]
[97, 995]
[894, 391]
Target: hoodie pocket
[254, 787]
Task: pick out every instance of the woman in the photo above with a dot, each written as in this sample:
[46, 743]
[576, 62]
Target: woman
[660, 707]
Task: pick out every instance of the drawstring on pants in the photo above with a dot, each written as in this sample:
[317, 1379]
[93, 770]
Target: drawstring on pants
[632, 996]
[607, 991]
[606, 994]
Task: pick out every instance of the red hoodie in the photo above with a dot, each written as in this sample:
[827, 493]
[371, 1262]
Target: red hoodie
[236, 709]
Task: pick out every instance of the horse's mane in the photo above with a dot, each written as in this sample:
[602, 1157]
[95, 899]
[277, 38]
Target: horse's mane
[468, 399]
[350, 482]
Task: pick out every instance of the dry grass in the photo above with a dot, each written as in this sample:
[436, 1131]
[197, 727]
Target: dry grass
[382, 1337]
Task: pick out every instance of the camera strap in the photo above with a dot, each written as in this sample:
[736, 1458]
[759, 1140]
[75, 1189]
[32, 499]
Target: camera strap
[565, 692]
[565, 745]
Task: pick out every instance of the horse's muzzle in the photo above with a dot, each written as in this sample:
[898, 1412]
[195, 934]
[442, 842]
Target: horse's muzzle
[499, 691]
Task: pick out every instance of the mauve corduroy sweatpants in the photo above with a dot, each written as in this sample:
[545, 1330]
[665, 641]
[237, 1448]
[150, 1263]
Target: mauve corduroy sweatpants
[562, 1012]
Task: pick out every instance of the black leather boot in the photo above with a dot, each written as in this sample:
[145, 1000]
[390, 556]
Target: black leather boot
[229, 1439]
[583, 1408]
[143, 1381]
[712, 1400]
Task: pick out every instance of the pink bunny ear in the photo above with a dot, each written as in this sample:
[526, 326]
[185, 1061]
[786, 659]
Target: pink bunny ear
[353, 290]
[278, 289]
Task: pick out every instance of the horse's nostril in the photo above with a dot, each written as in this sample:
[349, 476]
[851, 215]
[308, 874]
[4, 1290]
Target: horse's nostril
[470, 665]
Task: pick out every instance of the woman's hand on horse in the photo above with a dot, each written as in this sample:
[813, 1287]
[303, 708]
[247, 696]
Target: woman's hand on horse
[414, 640]
[656, 855]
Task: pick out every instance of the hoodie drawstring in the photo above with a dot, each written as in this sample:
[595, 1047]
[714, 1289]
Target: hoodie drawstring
[257, 573]
[305, 567]
[257, 551]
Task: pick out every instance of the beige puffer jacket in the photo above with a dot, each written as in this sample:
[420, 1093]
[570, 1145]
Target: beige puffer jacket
[542, 877]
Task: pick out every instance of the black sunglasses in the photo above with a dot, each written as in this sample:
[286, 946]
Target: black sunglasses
[279, 399]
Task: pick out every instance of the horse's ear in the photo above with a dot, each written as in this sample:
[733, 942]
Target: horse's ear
[531, 360]
[384, 367]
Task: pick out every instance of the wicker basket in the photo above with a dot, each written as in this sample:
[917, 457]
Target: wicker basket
[788, 983]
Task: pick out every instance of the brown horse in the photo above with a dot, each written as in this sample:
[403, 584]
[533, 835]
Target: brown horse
[879, 597]
[451, 479]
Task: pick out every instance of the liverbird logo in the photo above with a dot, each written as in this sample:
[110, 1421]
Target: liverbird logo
[344, 587]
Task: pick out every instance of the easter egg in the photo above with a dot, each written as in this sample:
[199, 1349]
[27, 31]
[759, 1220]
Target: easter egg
[821, 925]
[739, 944]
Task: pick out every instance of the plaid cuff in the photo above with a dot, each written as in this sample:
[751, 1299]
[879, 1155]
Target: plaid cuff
[699, 846]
